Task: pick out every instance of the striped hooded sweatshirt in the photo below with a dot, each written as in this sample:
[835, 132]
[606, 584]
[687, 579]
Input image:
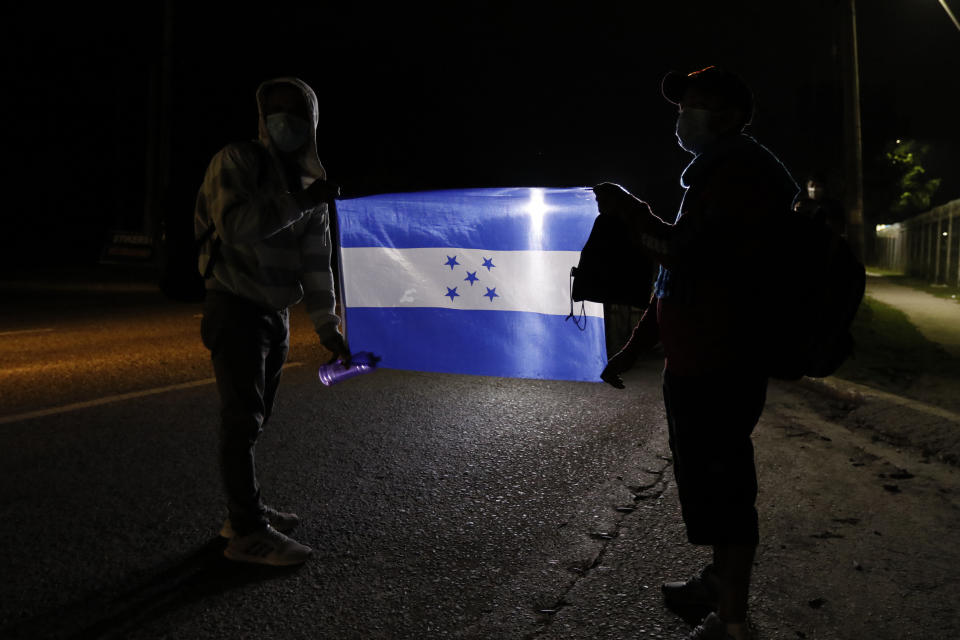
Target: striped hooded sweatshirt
[271, 251]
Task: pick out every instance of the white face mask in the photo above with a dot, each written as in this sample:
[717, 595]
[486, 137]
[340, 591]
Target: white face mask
[288, 132]
[693, 129]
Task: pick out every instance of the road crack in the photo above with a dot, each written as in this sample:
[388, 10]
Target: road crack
[642, 492]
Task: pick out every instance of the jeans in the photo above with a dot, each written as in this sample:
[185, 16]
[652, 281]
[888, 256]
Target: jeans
[248, 346]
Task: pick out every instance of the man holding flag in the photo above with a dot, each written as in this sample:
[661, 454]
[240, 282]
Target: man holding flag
[262, 206]
[714, 381]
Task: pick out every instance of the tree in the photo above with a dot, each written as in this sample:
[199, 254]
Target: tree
[914, 188]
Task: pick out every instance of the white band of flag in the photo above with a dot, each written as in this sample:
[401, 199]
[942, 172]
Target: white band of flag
[467, 279]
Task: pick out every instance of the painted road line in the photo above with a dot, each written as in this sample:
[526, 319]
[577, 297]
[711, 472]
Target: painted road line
[23, 331]
[111, 399]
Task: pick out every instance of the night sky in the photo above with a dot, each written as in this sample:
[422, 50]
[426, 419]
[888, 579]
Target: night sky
[466, 94]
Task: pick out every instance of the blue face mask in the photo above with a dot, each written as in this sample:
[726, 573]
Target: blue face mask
[287, 131]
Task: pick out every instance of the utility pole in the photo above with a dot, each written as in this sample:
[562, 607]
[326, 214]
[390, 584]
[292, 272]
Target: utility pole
[853, 140]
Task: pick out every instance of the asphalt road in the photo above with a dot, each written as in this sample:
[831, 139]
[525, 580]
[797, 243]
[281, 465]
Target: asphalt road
[438, 506]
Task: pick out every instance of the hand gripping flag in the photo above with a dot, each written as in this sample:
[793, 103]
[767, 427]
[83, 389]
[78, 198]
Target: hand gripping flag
[470, 281]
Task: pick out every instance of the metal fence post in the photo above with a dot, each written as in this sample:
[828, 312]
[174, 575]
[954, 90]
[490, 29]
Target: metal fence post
[958, 250]
[936, 252]
[918, 242]
[946, 278]
[912, 251]
[918, 251]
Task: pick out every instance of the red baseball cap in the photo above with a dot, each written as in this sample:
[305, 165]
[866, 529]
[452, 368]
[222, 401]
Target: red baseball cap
[712, 81]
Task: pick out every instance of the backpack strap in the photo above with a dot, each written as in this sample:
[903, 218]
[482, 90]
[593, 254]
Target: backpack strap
[581, 322]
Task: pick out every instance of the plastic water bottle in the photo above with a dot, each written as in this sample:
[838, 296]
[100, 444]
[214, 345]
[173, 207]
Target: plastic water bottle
[360, 363]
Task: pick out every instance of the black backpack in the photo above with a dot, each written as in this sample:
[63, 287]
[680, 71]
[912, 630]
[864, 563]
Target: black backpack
[814, 284]
[611, 270]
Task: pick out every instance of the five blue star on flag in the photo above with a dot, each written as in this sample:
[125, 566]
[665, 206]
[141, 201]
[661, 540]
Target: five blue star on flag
[471, 278]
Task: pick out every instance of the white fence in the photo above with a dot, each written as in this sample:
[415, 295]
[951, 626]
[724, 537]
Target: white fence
[925, 246]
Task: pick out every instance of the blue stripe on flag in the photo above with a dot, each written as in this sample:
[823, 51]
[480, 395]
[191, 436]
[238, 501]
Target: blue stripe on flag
[512, 219]
[488, 343]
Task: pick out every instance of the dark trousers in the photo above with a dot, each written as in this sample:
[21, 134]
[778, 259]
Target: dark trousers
[710, 420]
[248, 345]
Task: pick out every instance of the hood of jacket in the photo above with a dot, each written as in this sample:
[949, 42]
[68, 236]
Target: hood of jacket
[308, 158]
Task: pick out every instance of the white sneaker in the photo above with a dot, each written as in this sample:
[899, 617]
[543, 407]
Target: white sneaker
[281, 521]
[267, 546]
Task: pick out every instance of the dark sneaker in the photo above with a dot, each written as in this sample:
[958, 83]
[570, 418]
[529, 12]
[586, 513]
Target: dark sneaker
[279, 520]
[712, 628]
[267, 546]
[699, 591]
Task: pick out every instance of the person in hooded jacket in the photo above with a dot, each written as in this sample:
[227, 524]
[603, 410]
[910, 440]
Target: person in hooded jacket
[820, 205]
[263, 207]
[706, 312]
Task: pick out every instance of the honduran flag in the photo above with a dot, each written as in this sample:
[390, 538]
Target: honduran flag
[473, 281]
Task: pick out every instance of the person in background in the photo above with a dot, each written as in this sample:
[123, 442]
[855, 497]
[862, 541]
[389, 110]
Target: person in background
[820, 204]
[263, 208]
[704, 313]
